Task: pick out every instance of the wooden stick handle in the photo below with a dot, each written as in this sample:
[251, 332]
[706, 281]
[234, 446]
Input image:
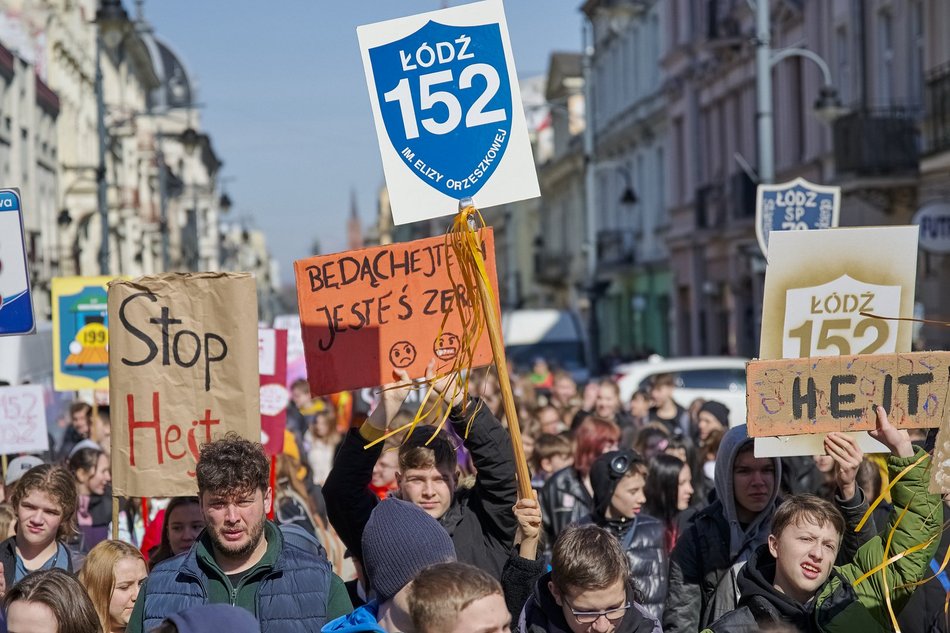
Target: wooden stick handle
[115, 518]
[501, 364]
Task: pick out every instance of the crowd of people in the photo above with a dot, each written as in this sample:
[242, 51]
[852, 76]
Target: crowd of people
[646, 516]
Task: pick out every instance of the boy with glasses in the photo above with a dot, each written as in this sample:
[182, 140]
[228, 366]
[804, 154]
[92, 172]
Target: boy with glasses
[588, 589]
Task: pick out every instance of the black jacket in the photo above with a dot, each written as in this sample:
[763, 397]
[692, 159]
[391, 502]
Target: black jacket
[924, 611]
[564, 500]
[701, 588]
[518, 580]
[644, 541]
[480, 520]
[542, 614]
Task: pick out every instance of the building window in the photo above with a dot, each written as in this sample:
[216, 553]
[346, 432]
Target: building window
[674, 23]
[885, 67]
[680, 182]
[917, 43]
[654, 31]
[660, 206]
[843, 60]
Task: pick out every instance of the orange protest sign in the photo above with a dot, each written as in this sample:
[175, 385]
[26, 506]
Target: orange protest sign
[367, 312]
[836, 393]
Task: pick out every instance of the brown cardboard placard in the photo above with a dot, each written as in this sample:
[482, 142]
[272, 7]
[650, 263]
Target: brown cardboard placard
[183, 367]
[836, 393]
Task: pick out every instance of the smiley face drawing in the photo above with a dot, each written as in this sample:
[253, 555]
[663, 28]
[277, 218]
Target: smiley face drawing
[447, 346]
[402, 354]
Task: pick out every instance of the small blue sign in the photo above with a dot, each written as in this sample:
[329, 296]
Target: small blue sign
[794, 206]
[16, 300]
[445, 99]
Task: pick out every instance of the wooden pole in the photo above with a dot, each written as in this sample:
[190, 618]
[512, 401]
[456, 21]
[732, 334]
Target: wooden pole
[3, 463]
[115, 518]
[489, 308]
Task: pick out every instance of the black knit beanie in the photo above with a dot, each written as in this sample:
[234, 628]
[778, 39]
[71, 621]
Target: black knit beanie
[718, 410]
[399, 541]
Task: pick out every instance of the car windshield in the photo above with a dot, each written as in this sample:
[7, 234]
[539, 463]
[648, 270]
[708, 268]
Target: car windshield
[727, 379]
[568, 355]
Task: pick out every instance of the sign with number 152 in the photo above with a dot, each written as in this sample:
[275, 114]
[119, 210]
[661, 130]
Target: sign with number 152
[448, 110]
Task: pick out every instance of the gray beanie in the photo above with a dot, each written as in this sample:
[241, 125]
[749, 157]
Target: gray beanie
[399, 541]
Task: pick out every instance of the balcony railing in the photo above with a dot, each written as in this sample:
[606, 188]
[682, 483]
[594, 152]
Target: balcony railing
[937, 118]
[615, 247]
[876, 142]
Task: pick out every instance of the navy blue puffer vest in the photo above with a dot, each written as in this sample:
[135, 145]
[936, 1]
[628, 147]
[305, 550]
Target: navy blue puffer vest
[292, 596]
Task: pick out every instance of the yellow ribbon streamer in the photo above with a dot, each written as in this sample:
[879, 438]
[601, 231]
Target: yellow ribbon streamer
[461, 242]
[887, 490]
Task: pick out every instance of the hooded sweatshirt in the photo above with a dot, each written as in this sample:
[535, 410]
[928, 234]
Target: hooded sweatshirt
[542, 614]
[362, 620]
[743, 539]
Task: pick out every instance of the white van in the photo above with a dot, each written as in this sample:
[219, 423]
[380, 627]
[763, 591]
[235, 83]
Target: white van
[554, 335]
[28, 358]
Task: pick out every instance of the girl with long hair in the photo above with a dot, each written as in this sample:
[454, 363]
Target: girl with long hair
[113, 574]
[320, 443]
[668, 493]
[90, 466]
[183, 522]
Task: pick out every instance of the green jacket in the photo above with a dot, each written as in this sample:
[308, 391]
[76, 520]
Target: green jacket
[839, 605]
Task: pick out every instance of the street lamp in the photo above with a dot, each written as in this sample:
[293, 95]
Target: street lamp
[629, 196]
[224, 203]
[190, 140]
[112, 20]
[111, 23]
[827, 108]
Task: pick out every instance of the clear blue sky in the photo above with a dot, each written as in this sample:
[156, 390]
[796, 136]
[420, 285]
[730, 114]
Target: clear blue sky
[286, 105]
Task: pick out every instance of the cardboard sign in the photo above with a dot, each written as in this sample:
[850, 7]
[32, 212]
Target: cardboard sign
[16, 301]
[836, 393]
[184, 371]
[365, 313]
[817, 284]
[80, 333]
[448, 113]
[23, 420]
[272, 352]
[797, 205]
[296, 362]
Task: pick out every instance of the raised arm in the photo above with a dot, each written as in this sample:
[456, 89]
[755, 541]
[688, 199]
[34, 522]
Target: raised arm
[496, 489]
[849, 497]
[919, 524]
[346, 490]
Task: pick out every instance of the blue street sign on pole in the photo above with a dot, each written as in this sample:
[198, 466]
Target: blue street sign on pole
[793, 206]
[16, 301]
[448, 112]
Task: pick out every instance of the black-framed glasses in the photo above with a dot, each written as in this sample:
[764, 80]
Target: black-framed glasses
[589, 617]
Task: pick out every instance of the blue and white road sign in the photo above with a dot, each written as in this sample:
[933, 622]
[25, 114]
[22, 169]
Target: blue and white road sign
[794, 205]
[448, 111]
[16, 302]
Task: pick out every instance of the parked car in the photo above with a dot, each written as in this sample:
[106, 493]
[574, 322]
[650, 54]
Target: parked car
[554, 335]
[720, 378]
